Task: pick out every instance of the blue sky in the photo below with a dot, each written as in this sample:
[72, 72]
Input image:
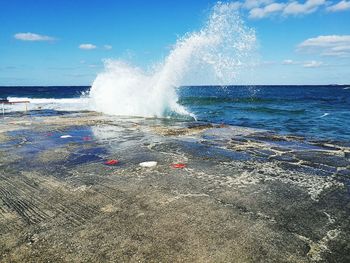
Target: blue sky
[63, 42]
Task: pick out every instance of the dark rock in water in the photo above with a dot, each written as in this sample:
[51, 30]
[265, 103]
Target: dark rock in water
[295, 138]
[322, 158]
[239, 140]
[280, 149]
[304, 169]
[202, 125]
[331, 142]
[345, 172]
[326, 147]
[286, 157]
[322, 167]
[262, 153]
[265, 136]
[347, 155]
[234, 143]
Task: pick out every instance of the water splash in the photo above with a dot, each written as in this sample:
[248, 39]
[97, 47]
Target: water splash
[214, 53]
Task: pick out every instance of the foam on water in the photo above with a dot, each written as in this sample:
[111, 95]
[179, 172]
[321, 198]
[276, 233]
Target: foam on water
[218, 50]
[66, 104]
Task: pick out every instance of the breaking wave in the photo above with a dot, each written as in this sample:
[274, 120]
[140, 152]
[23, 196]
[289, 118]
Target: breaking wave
[213, 54]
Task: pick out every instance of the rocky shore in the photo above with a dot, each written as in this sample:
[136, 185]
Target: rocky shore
[243, 195]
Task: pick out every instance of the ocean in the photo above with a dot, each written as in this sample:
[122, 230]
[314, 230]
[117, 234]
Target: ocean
[314, 112]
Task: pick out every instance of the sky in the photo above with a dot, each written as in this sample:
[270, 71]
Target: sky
[64, 42]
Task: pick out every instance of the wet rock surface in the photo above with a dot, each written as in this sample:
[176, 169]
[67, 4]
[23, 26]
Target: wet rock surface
[244, 196]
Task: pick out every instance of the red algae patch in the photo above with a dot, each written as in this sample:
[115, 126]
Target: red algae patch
[178, 165]
[111, 162]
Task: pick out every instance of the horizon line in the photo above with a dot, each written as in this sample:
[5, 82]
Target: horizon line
[182, 86]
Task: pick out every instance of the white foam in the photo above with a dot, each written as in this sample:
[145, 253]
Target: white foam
[66, 104]
[216, 51]
[148, 164]
[66, 136]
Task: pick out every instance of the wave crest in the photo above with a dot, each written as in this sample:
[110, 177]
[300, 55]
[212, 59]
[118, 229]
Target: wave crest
[213, 54]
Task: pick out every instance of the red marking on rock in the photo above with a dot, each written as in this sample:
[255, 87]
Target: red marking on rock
[87, 138]
[111, 162]
[49, 134]
[178, 165]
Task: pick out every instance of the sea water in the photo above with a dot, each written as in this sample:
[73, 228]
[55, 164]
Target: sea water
[320, 112]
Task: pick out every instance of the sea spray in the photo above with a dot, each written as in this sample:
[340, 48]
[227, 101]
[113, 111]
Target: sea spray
[215, 53]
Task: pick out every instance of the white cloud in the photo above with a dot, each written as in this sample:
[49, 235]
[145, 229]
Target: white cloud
[341, 6]
[310, 6]
[249, 4]
[263, 8]
[234, 5]
[313, 64]
[260, 12]
[107, 47]
[32, 37]
[331, 45]
[264, 63]
[87, 46]
[304, 64]
[289, 62]
[326, 41]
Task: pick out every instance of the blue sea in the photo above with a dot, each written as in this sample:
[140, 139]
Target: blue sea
[314, 112]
